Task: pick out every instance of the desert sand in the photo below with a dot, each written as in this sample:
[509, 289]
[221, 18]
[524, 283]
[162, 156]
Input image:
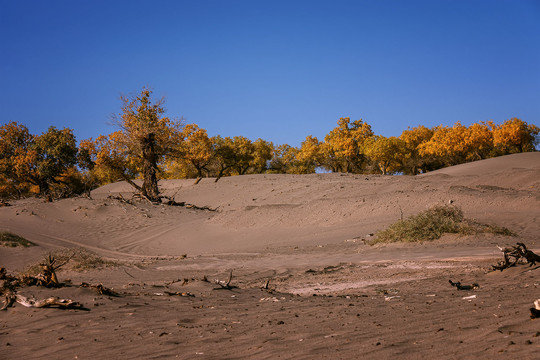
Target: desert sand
[330, 294]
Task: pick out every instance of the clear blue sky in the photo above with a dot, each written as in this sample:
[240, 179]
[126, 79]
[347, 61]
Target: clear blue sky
[279, 70]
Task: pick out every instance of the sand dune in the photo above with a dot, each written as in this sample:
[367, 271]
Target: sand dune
[510, 163]
[304, 233]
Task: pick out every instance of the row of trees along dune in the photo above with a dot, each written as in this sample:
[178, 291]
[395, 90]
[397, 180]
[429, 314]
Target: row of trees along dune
[149, 145]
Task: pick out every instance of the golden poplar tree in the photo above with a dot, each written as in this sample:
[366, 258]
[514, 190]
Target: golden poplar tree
[195, 149]
[386, 153]
[42, 161]
[145, 138]
[345, 145]
[514, 136]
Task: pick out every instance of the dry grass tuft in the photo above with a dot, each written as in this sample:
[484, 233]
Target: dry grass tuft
[77, 259]
[432, 223]
[8, 239]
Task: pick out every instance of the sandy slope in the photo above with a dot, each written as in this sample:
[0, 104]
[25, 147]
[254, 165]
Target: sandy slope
[256, 212]
[303, 233]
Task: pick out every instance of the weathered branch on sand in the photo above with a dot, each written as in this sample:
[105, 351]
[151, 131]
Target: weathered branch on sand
[49, 302]
[171, 202]
[120, 198]
[458, 286]
[102, 290]
[207, 208]
[165, 200]
[47, 277]
[512, 255]
[178, 293]
[11, 297]
[9, 285]
[531, 257]
[535, 311]
[226, 285]
[49, 267]
[142, 196]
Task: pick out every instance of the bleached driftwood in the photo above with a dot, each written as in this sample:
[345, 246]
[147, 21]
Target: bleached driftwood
[48, 302]
[10, 298]
[535, 311]
[512, 255]
[48, 276]
[226, 284]
[100, 289]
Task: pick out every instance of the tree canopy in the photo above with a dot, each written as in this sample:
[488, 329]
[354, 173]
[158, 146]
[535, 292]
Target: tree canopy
[149, 145]
[144, 140]
[27, 160]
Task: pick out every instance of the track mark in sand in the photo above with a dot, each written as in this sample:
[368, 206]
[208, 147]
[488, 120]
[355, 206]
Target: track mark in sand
[342, 286]
[271, 206]
[154, 235]
[89, 247]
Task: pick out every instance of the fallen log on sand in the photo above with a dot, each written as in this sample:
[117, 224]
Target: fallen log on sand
[512, 255]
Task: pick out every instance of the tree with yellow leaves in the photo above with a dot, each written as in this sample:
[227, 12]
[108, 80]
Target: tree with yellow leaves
[144, 139]
[262, 153]
[108, 159]
[310, 154]
[195, 149]
[42, 161]
[244, 150]
[479, 141]
[224, 158]
[514, 136]
[15, 159]
[285, 161]
[458, 144]
[449, 144]
[345, 146]
[386, 153]
[55, 154]
[413, 161]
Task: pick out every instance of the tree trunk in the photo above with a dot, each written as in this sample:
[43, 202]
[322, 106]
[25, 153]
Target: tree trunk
[221, 172]
[45, 189]
[150, 183]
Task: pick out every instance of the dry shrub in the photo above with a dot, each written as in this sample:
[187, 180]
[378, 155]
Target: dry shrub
[432, 223]
[11, 240]
[82, 259]
[77, 259]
